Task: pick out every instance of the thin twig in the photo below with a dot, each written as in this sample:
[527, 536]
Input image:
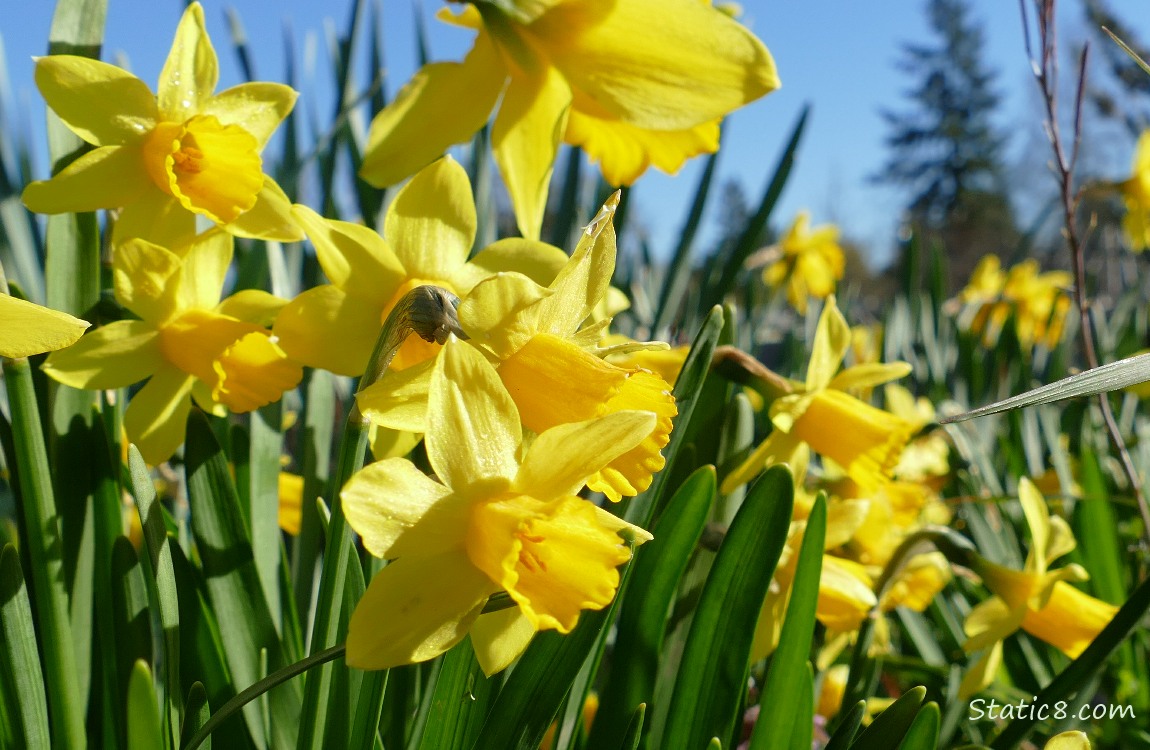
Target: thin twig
[1046, 73]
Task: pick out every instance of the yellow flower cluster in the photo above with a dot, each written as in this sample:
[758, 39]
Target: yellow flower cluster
[537, 404]
[1038, 302]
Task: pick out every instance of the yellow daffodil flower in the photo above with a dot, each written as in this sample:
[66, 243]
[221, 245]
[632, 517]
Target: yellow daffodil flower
[1036, 599]
[166, 157]
[1136, 193]
[1038, 302]
[634, 82]
[27, 328]
[846, 587]
[553, 367]
[186, 340]
[429, 229]
[864, 440]
[811, 264]
[503, 516]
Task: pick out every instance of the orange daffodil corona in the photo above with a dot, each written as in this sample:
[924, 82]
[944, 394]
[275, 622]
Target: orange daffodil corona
[164, 158]
[549, 359]
[633, 82]
[186, 341]
[504, 516]
[1036, 599]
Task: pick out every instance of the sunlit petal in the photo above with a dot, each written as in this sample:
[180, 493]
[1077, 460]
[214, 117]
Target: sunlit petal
[415, 609]
[156, 416]
[561, 459]
[108, 177]
[112, 356]
[443, 104]
[27, 328]
[473, 430]
[191, 70]
[661, 64]
[431, 222]
[103, 104]
[499, 638]
[386, 499]
[257, 107]
[525, 139]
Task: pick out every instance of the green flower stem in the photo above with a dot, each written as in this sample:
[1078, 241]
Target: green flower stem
[45, 548]
[254, 691]
[429, 312]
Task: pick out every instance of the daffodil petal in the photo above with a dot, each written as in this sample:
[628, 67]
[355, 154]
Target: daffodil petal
[384, 500]
[27, 328]
[499, 638]
[146, 279]
[191, 71]
[103, 104]
[112, 356]
[415, 609]
[398, 400]
[869, 375]
[537, 261]
[561, 459]
[108, 177]
[982, 672]
[252, 306]
[473, 430]
[156, 416]
[496, 313]
[206, 262]
[271, 217]
[990, 621]
[624, 152]
[660, 64]
[325, 327]
[431, 222]
[832, 340]
[443, 104]
[525, 140]
[388, 443]
[581, 285]
[845, 595]
[1038, 521]
[156, 217]
[258, 107]
[354, 257]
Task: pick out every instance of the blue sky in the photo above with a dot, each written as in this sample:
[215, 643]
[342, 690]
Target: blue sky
[837, 55]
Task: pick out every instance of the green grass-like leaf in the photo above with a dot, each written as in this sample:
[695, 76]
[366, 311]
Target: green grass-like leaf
[643, 617]
[22, 699]
[712, 673]
[783, 697]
